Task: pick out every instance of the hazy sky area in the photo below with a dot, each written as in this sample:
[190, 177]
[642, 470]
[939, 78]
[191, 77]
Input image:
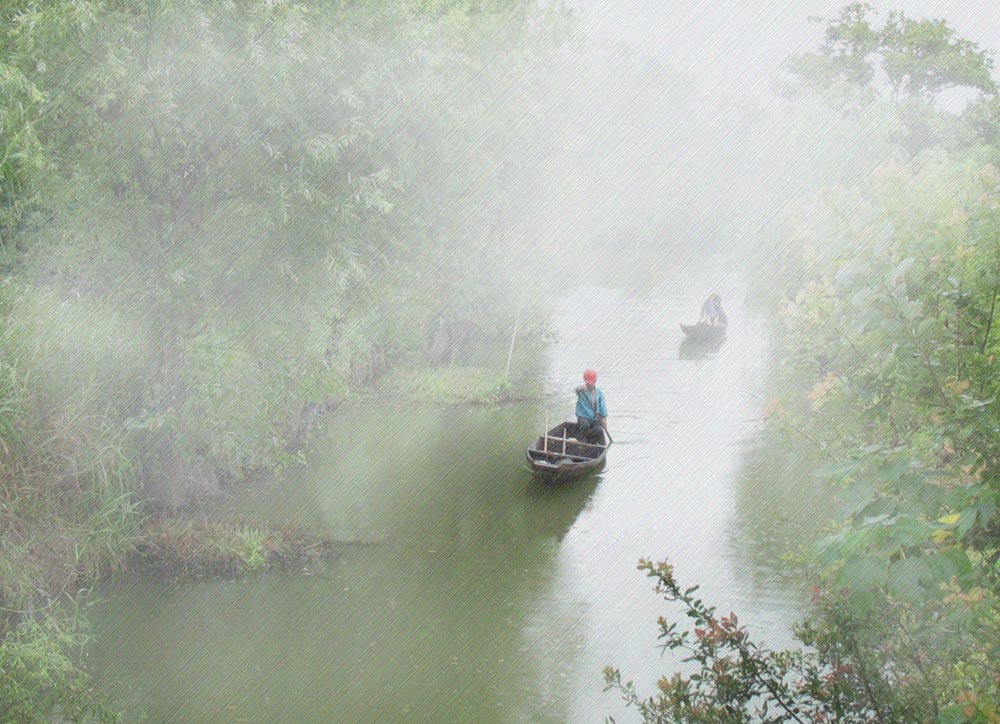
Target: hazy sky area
[735, 45]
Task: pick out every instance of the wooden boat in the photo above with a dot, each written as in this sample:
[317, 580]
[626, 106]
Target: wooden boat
[557, 455]
[704, 332]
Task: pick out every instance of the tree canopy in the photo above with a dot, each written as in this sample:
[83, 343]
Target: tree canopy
[904, 57]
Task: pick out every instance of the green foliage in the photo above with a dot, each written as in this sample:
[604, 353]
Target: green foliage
[924, 57]
[252, 552]
[895, 341]
[888, 661]
[736, 680]
[186, 547]
[921, 66]
[68, 504]
[62, 367]
[456, 385]
[849, 42]
[21, 153]
[274, 201]
[217, 216]
[42, 681]
[887, 339]
[887, 285]
[891, 347]
[918, 58]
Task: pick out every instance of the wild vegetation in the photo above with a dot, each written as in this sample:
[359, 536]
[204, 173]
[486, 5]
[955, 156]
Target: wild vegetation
[219, 220]
[886, 327]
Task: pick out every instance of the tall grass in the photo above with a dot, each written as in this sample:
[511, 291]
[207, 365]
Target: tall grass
[69, 510]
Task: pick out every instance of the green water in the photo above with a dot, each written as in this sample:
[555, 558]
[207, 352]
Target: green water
[482, 595]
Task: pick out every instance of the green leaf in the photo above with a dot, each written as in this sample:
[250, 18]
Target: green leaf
[966, 522]
[951, 715]
[862, 573]
[909, 579]
[908, 531]
[947, 564]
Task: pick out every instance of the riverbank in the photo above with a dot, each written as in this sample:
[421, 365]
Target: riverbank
[60, 539]
[185, 548]
[455, 385]
[482, 579]
[84, 539]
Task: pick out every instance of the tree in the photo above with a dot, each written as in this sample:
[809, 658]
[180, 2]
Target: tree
[218, 161]
[920, 66]
[906, 57]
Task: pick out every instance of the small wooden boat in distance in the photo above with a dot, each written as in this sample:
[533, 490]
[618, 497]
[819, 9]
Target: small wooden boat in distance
[704, 332]
[557, 455]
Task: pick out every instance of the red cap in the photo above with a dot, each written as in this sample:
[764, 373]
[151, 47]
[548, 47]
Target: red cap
[590, 376]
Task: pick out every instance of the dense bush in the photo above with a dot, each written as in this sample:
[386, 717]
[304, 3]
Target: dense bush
[887, 659]
[882, 287]
[216, 219]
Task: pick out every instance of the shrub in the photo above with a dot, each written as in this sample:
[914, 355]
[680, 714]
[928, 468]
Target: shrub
[885, 662]
[41, 678]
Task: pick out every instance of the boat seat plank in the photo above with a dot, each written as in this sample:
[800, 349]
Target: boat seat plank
[576, 442]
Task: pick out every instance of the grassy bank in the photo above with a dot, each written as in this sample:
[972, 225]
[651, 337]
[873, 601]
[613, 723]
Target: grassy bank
[72, 521]
[456, 386]
[183, 547]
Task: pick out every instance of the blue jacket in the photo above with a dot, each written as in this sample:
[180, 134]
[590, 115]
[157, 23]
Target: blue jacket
[585, 404]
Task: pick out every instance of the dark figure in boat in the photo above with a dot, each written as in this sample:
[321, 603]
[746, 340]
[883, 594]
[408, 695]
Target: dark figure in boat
[591, 410]
[711, 311]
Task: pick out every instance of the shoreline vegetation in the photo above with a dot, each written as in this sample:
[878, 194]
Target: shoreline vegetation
[183, 297]
[455, 385]
[47, 557]
[190, 544]
[186, 542]
[183, 547]
[881, 289]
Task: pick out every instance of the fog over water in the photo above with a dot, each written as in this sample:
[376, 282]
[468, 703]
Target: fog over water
[487, 597]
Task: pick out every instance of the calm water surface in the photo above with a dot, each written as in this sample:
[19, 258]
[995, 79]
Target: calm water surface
[485, 596]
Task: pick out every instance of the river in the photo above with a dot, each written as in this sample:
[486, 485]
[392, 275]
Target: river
[477, 594]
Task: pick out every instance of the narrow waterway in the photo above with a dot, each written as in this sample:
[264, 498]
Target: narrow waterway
[481, 595]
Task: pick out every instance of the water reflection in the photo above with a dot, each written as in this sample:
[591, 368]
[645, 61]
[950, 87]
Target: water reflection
[553, 507]
[781, 507]
[693, 349]
[423, 626]
[489, 596]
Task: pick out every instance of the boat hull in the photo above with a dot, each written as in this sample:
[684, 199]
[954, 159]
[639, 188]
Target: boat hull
[558, 456]
[704, 332]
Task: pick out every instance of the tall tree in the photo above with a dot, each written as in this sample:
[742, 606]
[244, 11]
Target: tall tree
[921, 66]
[904, 57]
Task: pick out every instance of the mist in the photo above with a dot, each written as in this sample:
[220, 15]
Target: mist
[288, 288]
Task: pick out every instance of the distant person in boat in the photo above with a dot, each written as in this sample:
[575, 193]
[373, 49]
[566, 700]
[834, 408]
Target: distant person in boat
[591, 409]
[711, 311]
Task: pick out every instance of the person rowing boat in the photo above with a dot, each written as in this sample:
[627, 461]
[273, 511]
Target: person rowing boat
[591, 410]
